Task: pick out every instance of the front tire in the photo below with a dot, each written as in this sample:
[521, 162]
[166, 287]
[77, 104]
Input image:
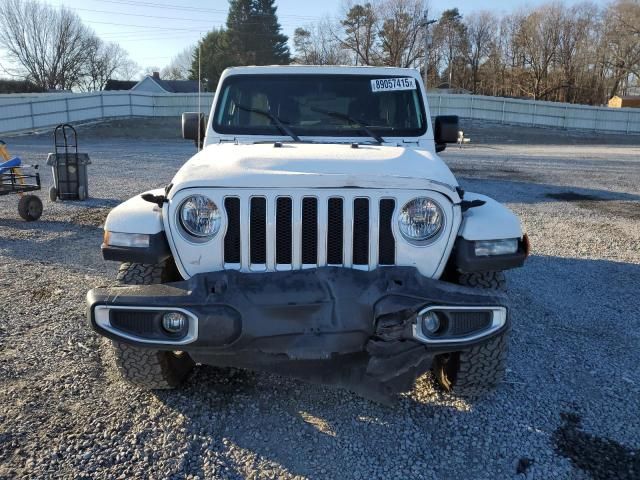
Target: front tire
[151, 369]
[485, 280]
[477, 371]
[146, 368]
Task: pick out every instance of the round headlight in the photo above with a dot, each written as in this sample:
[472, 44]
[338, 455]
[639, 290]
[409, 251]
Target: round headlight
[420, 219]
[200, 216]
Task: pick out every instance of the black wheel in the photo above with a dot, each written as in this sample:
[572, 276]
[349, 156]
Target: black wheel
[53, 193]
[30, 207]
[146, 368]
[477, 371]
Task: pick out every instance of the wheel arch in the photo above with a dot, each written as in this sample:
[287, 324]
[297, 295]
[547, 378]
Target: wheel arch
[136, 216]
[490, 221]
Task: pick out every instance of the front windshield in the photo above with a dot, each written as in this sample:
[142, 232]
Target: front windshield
[321, 105]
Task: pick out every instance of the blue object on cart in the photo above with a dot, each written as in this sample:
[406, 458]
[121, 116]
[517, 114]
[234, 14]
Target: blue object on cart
[9, 164]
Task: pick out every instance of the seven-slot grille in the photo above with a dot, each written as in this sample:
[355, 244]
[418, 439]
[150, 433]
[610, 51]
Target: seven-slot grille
[291, 232]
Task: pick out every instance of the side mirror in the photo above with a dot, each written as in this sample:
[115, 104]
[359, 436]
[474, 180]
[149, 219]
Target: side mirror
[445, 131]
[193, 127]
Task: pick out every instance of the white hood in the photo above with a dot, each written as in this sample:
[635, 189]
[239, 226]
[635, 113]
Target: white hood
[307, 165]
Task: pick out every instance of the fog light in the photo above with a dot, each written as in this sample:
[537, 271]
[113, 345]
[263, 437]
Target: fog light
[174, 322]
[430, 322]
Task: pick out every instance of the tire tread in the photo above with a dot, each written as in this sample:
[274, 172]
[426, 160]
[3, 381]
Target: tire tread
[475, 372]
[487, 280]
[23, 207]
[146, 368]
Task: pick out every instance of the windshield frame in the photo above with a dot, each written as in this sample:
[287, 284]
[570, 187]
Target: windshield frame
[220, 129]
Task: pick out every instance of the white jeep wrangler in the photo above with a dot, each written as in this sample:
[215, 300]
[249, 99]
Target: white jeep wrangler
[315, 234]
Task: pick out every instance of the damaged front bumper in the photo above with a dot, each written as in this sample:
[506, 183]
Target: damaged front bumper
[373, 332]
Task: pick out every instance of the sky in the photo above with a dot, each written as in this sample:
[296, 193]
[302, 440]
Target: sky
[154, 31]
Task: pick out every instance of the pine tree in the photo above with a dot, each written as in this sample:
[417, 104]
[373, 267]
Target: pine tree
[252, 37]
[254, 34]
[216, 56]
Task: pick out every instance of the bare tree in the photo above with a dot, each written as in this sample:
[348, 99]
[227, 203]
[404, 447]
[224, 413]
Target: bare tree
[180, 66]
[49, 46]
[481, 32]
[575, 47]
[383, 32]
[402, 35]
[317, 45]
[451, 37]
[495, 70]
[104, 61]
[539, 36]
[583, 53]
[622, 37]
[361, 26]
[304, 48]
[129, 70]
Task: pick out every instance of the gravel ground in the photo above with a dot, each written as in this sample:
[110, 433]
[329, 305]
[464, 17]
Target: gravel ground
[567, 409]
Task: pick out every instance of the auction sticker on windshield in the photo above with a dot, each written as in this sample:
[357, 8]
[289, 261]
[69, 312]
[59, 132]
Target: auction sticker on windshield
[392, 84]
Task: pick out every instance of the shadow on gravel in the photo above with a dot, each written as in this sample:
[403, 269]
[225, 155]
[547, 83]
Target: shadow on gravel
[602, 205]
[508, 190]
[212, 393]
[92, 219]
[493, 174]
[76, 242]
[270, 419]
[100, 202]
[602, 458]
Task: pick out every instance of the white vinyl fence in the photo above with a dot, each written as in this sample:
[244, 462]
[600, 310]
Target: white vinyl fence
[37, 111]
[537, 113]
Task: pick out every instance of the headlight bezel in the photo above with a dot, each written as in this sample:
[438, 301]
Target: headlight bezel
[433, 237]
[191, 235]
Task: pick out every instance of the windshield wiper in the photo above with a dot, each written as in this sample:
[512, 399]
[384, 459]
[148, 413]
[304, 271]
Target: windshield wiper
[278, 123]
[350, 119]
